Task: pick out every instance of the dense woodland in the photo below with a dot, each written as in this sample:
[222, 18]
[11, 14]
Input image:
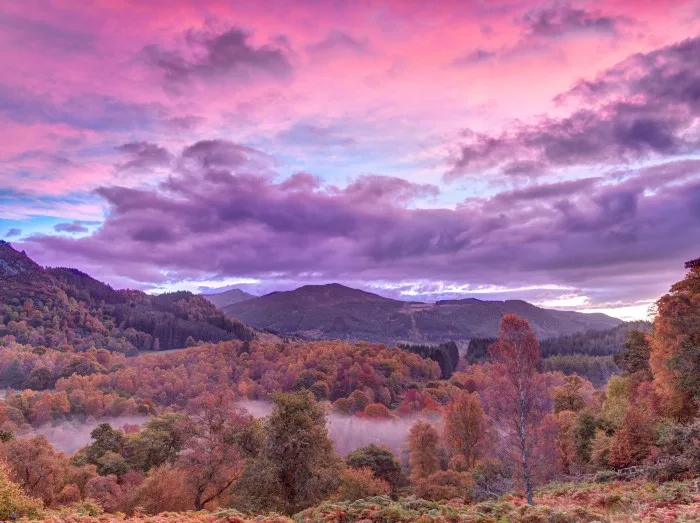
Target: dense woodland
[491, 439]
[65, 309]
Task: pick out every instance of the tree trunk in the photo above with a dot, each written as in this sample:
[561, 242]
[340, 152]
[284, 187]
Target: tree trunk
[524, 454]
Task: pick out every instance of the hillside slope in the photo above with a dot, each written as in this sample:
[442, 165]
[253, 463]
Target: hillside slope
[53, 307]
[336, 311]
[226, 298]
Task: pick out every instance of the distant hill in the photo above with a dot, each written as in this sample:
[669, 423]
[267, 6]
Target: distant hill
[62, 307]
[336, 311]
[226, 298]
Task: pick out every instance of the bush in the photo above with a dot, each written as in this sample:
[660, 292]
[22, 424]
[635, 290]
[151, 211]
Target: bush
[381, 460]
[445, 485]
[491, 479]
[361, 483]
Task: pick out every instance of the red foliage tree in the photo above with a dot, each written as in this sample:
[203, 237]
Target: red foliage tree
[516, 356]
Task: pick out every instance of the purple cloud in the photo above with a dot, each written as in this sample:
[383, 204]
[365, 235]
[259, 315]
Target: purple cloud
[642, 108]
[475, 57]
[558, 19]
[221, 56]
[72, 228]
[13, 232]
[144, 155]
[338, 44]
[220, 214]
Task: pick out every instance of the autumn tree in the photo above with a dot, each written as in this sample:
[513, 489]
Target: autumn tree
[568, 396]
[632, 443]
[564, 440]
[37, 467]
[674, 342]
[445, 485]
[164, 490]
[212, 459]
[423, 442]
[466, 427]
[14, 503]
[516, 355]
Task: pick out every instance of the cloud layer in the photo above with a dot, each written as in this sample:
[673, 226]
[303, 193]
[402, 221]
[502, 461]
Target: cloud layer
[546, 150]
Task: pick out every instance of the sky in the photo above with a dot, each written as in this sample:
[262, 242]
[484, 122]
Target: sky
[500, 149]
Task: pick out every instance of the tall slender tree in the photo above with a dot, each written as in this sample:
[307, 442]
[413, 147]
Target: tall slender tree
[516, 355]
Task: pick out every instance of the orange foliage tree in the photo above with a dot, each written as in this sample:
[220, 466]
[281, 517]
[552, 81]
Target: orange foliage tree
[677, 327]
[466, 427]
[423, 441]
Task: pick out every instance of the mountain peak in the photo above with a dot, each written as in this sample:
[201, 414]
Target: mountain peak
[331, 293]
[229, 297]
[14, 262]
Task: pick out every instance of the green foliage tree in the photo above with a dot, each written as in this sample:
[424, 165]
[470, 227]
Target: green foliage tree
[568, 396]
[635, 357]
[105, 439]
[584, 432]
[380, 460]
[686, 364]
[159, 441]
[297, 466]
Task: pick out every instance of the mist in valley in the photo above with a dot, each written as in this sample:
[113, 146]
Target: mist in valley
[69, 436]
[348, 432]
[352, 432]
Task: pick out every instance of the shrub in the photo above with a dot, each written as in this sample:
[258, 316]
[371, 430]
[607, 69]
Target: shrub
[381, 460]
[445, 485]
[361, 483]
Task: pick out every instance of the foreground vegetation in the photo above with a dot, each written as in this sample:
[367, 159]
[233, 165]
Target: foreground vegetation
[638, 501]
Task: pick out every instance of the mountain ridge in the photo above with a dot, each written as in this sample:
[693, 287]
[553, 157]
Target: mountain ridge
[336, 311]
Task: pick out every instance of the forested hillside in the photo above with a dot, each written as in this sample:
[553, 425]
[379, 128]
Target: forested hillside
[65, 309]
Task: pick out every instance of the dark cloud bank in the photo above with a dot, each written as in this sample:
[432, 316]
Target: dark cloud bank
[225, 212]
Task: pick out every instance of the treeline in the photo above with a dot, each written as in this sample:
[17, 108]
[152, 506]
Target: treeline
[588, 354]
[445, 354]
[596, 369]
[592, 343]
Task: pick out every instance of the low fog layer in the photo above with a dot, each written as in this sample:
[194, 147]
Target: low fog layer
[352, 432]
[69, 436]
[348, 432]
